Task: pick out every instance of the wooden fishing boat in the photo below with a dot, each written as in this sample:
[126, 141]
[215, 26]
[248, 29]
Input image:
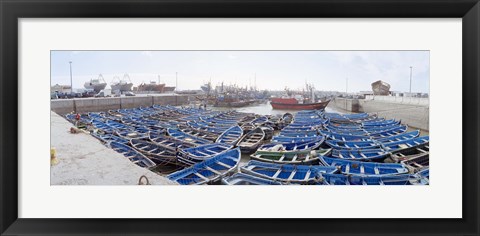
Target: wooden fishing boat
[364, 168]
[158, 154]
[190, 156]
[415, 157]
[231, 135]
[360, 155]
[244, 179]
[133, 155]
[196, 132]
[208, 171]
[247, 127]
[268, 132]
[306, 157]
[300, 174]
[340, 179]
[179, 135]
[251, 141]
[169, 142]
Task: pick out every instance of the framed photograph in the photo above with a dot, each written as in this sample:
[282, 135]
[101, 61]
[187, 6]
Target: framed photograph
[259, 117]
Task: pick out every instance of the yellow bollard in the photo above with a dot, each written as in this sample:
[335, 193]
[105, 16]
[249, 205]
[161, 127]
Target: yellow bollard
[53, 156]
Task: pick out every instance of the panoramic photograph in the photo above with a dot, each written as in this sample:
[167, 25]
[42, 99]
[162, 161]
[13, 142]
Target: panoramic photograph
[239, 117]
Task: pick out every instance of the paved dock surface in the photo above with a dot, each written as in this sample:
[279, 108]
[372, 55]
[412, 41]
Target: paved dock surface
[83, 160]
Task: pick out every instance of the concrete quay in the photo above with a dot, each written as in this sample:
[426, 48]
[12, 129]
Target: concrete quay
[413, 112]
[80, 105]
[83, 160]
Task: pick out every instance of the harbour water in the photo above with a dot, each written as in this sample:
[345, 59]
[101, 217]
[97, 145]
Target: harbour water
[266, 109]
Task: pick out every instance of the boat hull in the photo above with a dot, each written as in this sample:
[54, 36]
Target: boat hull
[307, 106]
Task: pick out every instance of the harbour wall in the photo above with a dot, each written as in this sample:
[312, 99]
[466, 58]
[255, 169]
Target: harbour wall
[64, 106]
[415, 112]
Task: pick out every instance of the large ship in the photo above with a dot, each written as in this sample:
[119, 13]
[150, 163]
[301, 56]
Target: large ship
[151, 87]
[122, 85]
[168, 89]
[96, 84]
[293, 104]
[301, 103]
[380, 88]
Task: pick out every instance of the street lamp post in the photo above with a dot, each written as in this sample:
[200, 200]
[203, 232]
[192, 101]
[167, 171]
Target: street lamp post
[71, 78]
[410, 80]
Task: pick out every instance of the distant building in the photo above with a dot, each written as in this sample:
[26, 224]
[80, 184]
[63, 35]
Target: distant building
[60, 88]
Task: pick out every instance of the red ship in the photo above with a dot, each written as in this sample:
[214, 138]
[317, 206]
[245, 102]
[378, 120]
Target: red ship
[292, 104]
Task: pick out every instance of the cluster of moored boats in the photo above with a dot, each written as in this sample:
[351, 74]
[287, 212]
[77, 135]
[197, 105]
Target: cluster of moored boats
[194, 146]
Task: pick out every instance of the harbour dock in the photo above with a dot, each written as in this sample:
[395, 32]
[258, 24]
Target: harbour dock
[83, 160]
[79, 105]
[412, 111]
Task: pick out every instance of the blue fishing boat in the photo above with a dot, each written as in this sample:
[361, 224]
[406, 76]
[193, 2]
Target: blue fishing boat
[360, 155]
[287, 139]
[377, 129]
[208, 171]
[106, 138]
[103, 126]
[299, 157]
[231, 135]
[193, 155]
[244, 179]
[179, 135]
[380, 123]
[345, 137]
[421, 178]
[134, 156]
[259, 121]
[340, 179]
[130, 134]
[296, 146]
[404, 144]
[339, 144]
[364, 168]
[388, 133]
[400, 137]
[118, 126]
[300, 174]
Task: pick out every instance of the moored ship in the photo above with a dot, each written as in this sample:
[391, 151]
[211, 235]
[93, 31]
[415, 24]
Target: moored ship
[293, 104]
[96, 84]
[122, 84]
[152, 87]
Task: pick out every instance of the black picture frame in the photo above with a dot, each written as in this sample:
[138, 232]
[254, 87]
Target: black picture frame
[11, 11]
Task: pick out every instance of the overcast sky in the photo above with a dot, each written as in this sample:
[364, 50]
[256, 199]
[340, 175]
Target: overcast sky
[275, 70]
